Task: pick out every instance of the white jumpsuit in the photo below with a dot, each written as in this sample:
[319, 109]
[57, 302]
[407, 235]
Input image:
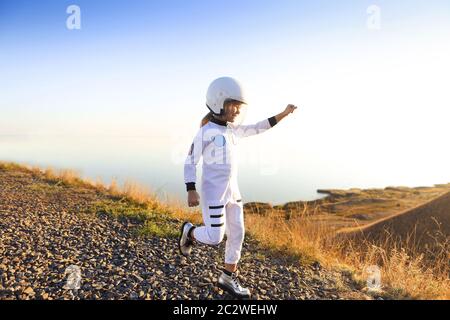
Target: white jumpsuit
[220, 198]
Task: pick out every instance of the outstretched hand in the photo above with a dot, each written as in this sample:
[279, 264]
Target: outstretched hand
[290, 109]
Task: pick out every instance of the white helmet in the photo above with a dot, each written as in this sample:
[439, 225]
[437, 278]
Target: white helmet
[221, 90]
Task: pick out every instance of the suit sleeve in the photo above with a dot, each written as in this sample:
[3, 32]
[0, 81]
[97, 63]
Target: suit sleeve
[243, 131]
[192, 159]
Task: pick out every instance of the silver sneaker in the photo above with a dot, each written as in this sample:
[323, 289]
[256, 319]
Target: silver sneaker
[231, 285]
[184, 243]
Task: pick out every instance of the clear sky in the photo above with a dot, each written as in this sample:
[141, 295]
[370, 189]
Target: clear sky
[378, 97]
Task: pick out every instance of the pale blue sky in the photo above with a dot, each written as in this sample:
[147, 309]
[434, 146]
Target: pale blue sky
[141, 68]
[132, 61]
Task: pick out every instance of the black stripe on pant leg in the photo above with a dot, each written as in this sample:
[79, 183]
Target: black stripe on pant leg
[240, 200]
[216, 207]
[216, 216]
[217, 225]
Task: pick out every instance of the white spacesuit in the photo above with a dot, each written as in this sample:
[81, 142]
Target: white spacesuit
[220, 196]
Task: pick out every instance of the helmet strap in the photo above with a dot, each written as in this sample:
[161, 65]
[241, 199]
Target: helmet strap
[222, 111]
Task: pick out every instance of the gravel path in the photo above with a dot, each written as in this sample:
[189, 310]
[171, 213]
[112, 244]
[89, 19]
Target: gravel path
[44, 230]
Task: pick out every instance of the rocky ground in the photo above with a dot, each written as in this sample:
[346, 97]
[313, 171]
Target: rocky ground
[45, 228]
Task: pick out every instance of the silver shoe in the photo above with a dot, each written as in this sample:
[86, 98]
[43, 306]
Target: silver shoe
[184, 242]
[231, 285]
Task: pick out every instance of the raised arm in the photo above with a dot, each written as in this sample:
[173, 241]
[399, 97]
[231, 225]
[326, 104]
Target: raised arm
[262, 126]
[289, 109]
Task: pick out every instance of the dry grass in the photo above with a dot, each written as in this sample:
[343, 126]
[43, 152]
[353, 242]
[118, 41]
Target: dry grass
[300, 236]
[129, 190]
[142, 195]
[405, 272]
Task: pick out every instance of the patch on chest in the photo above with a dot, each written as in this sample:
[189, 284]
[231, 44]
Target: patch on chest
[219, 140]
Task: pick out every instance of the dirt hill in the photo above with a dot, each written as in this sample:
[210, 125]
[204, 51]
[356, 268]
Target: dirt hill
[427, 225]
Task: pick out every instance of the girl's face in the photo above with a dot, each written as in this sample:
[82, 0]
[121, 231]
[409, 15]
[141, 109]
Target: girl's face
[232, 110]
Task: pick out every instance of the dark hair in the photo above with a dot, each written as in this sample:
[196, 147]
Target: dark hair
[206, 119]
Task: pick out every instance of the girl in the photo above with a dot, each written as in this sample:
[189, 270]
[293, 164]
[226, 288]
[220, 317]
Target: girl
[222, 208]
